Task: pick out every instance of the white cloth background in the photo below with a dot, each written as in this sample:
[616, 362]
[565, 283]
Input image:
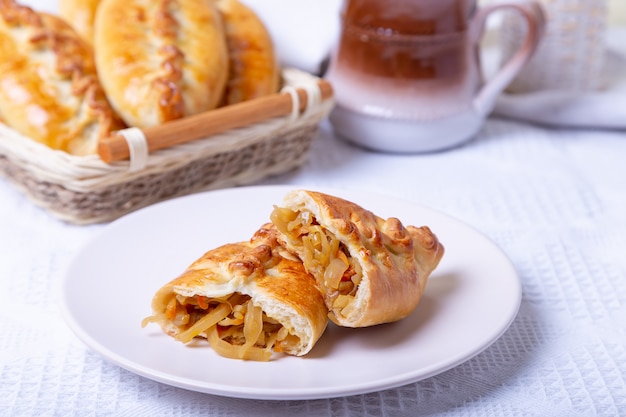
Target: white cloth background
[553, 199]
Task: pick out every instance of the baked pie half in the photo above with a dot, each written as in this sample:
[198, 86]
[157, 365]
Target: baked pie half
[371, 270]
[247, 299]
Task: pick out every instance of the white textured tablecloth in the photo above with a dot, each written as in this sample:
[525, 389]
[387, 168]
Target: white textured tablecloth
[553, 199]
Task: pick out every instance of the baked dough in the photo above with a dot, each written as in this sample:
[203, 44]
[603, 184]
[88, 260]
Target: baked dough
[253, 68]
[160, 60]
[49, 90]
[256, 295]
[81, 15]
[370, 270]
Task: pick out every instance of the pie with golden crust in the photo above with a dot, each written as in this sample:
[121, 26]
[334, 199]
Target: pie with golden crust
[247, 299]
[81, 15]
[371, 270]
[49, 89]
[253, 65]
[160, 60]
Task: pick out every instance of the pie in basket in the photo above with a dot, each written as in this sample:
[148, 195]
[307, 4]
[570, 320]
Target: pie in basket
[50, 89]
[160, 60]
[254, 70]
[81, 15]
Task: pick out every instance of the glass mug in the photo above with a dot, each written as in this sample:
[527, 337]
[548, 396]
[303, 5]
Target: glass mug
[407, 75]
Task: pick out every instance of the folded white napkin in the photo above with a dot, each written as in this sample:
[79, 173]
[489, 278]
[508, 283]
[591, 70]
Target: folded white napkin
[604, 108]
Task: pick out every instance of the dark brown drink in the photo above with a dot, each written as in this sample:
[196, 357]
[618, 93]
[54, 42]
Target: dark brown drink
[409, 57]
[406, 39]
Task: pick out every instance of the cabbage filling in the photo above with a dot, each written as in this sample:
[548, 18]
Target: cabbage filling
[323, 255]
[234, 326]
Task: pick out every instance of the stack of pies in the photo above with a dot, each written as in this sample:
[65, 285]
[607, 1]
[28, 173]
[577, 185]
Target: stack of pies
[102, 65]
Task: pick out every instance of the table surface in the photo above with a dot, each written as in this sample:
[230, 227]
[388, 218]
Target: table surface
[554, 200]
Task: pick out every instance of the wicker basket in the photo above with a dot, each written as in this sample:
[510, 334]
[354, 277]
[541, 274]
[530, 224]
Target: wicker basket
[84, 189]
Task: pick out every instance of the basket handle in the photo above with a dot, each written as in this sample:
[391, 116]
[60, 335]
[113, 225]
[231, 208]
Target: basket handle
[115, 147]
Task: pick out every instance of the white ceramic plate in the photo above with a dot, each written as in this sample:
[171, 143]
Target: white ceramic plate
[470, 300]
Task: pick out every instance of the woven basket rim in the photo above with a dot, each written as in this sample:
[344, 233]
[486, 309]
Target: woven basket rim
[85, 173]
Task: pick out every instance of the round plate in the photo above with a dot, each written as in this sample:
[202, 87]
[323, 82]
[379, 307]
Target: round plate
[470, 300]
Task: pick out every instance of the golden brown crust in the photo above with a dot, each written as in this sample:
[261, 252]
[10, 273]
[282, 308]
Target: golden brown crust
[395, 261]
[254, 69]
[50, 91]
[81, 15]
[160, 60]
[279, 285]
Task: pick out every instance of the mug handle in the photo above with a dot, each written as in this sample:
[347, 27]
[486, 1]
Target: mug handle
[534, 14]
